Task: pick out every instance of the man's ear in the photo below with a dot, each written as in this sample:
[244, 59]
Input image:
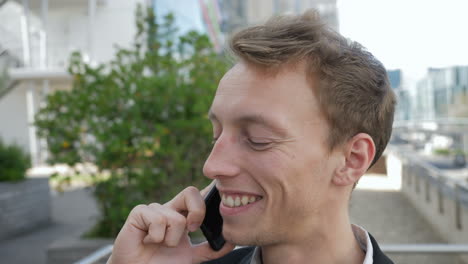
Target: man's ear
[359, 152]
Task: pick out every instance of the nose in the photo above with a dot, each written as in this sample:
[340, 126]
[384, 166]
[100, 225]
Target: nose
[223, 160]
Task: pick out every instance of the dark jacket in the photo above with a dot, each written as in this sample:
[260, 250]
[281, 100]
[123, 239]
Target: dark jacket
[244, 255]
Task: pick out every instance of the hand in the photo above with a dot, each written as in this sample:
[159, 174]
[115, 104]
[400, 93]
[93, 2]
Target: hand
[158, 234]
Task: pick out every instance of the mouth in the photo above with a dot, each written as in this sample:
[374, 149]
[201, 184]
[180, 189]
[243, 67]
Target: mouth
[238, 200]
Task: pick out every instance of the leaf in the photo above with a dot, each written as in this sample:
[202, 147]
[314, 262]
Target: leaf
[140, 118]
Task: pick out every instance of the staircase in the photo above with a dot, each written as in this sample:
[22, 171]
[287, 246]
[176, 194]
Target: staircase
[10, 46]
[6, 61]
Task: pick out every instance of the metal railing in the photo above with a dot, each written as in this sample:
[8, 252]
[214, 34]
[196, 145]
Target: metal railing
[425, 248]
[387, 248]
[96, 255]
[416, 169]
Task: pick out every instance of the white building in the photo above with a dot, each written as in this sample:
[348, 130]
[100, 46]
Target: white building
[41, 34]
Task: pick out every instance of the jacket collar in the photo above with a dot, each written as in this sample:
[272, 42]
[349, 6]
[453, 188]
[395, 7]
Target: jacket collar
[379, 257]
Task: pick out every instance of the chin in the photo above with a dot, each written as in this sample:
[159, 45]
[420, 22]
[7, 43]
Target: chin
[240, 237]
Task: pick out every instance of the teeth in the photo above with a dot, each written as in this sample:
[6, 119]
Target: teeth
[245, 200]
[230, 201]
[237, 201]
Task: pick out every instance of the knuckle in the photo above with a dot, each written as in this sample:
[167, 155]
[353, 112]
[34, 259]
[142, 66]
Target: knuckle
[159, 219]
[179, 220]
[192, 190]
[138, 209]
[154, 205]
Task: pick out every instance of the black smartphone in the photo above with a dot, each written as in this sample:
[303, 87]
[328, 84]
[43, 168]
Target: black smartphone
[212, 226]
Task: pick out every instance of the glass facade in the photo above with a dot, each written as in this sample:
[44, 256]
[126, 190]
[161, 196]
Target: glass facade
[442, 93]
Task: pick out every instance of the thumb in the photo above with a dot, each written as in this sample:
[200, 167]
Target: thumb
[207, 189]
[203, 252]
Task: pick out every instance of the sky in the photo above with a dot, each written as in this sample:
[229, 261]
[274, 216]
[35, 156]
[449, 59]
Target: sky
[411, 35]
[187, 12]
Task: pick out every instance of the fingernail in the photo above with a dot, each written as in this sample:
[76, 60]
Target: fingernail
[193, 227]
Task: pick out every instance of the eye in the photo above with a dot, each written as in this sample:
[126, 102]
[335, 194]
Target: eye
[257, 144]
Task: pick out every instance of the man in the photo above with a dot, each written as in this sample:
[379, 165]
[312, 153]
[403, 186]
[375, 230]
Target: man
[296, 122]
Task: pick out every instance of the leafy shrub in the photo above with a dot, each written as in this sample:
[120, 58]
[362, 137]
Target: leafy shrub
[13, 163]
[442, 151]
[448, 152]
[140, 118]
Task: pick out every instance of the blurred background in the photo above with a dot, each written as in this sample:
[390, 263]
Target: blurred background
[103, 106]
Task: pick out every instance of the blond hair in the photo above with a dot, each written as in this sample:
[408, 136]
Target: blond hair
[354, 91]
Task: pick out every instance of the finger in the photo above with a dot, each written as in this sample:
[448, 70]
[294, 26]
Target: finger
[156, 222]
[176, 227]
[207, 189]
[135, 225]
[189, 202]
[203, 252]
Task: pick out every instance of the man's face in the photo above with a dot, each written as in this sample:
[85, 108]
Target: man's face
[270, 157]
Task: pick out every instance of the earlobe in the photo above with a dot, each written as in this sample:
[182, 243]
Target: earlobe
[341, 175]
[358, 155]
[342, 179]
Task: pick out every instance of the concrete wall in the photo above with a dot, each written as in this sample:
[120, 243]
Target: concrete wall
[14, 124]
[447, 215]
[114, 23]
[434, 198]
[13, 118]
[24, 206]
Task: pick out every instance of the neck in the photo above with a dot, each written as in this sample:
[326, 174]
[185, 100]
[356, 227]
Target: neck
[330, 242]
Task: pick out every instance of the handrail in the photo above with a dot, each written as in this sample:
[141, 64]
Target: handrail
[425, 248]
[387, 248]
[96, 255]
[441, 121]
[454, 188]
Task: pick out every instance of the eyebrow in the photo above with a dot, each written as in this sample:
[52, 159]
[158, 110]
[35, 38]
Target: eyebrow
[253, 119]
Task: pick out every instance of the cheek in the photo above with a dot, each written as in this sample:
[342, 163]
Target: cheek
[271, 168]
[277, 173]
[299, 179]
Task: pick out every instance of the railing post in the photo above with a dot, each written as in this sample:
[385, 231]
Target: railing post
[439, 194]
[417, 181]
[458, 220]
[428, 196]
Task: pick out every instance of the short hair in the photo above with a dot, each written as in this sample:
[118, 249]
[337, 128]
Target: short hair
[353, 88]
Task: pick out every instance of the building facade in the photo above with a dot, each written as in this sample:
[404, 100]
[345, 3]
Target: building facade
[40, 35]
[442, 93]
[403, 107]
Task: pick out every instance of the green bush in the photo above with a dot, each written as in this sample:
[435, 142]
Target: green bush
[13, 163]
[442, 151]
[140, 118]
[447, 152]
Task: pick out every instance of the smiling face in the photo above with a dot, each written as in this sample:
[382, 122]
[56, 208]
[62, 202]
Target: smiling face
[270, 157]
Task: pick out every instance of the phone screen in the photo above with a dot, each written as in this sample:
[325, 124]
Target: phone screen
[212, 226]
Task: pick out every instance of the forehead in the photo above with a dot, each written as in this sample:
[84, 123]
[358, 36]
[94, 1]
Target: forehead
[284, 96]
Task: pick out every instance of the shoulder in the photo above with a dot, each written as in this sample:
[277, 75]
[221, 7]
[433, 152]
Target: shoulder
[378, 256]
[238, 256]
